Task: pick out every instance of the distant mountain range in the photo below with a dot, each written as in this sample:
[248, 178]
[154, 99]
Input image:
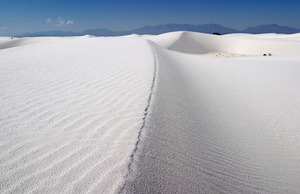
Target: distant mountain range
[159, 29]
[273, 28]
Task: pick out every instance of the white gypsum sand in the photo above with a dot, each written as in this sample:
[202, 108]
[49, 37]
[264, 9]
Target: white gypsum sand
[220, 125]
[71, 110]
[179, 112]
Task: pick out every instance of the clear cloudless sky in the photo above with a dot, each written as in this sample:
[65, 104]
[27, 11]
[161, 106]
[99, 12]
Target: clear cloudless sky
[20, 16]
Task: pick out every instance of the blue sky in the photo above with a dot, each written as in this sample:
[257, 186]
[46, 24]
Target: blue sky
[19, 16]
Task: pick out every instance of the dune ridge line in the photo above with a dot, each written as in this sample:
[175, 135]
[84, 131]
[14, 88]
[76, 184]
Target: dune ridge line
[144, 118]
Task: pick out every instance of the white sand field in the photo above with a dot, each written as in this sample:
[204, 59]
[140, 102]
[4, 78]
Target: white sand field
[180, 112]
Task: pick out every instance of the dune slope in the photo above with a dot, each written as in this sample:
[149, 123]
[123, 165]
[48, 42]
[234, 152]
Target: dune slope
[71, 110]
[220, 126]
[199, 43]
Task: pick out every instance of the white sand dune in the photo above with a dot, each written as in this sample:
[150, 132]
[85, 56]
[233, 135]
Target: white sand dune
[11, 42]
[199, 43]
[291, 37]
[70, 113]
[220, 126]
[150, 114]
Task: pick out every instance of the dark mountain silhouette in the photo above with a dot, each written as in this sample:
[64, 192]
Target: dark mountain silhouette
[159, 29]
[49, 33]
[101, 32]
[273, 28]
[205, 28]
